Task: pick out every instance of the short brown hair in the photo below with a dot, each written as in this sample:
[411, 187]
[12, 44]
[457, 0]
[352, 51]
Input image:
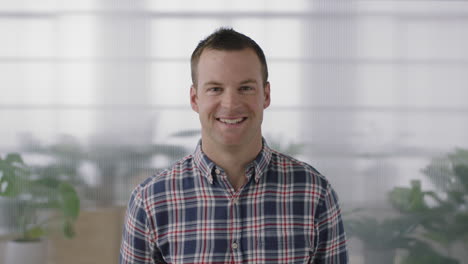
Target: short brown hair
[227, 39]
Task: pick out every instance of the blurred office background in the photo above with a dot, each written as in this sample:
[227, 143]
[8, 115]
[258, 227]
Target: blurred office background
[374, 94]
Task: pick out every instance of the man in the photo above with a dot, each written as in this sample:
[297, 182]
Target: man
[234, 200]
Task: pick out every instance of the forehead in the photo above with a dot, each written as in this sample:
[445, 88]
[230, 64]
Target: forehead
[227, 66]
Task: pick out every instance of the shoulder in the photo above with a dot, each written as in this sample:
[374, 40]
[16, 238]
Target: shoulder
[299, 170]
[165, 180]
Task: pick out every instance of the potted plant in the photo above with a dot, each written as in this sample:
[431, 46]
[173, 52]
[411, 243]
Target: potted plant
[445, 222]
[412, 202]
[43, 202]
[408, 231]
[381, 238]
[449, 174]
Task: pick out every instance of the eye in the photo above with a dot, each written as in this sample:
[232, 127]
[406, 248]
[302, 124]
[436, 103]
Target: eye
[246, 88]
[214, 89]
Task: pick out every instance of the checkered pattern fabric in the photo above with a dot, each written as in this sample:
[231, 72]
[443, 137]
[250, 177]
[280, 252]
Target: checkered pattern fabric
[286, 213]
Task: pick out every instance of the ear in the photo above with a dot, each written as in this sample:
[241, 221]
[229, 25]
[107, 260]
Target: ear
[194, 98]
[266, 92]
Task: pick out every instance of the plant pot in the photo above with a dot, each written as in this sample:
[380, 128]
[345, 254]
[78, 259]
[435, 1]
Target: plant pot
[26, 252]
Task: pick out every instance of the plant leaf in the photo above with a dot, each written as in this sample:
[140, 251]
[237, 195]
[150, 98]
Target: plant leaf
[9, 185]
[439, 237]
[49, 182]
[70, 201]
[400, 197]
[461, 171]
[68, 229]
[14, 158]
[34, 233]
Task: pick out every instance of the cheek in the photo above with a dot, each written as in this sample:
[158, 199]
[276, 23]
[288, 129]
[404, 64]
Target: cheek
[257, 105]
[207, 108]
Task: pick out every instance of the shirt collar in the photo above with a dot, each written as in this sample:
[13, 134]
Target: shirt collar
[207, 166]
[262, 161]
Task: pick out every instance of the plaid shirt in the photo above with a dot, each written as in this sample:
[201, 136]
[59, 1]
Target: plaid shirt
[285, 213]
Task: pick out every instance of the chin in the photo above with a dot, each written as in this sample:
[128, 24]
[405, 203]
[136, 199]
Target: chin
[231, 143]
[235, 140]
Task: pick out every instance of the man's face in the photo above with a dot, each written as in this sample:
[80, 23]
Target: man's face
[229, 97]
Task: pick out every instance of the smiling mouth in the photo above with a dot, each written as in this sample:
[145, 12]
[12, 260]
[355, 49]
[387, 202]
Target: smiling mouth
[232, 121]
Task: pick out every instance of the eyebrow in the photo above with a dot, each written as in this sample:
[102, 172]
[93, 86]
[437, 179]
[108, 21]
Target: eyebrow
[219, 84]
[212, 83]
[248, 81]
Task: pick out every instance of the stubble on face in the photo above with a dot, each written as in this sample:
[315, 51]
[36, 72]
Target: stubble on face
[230, 97]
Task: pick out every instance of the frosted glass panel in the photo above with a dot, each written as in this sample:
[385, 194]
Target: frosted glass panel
[76, 36]
[228, 5]
[371, 93]
[448, 38]
[171, 83]
[37, 88]
[18, 34]
[174, 37]
[279, 38]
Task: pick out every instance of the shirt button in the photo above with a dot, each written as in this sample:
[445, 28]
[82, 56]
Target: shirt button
[217, 171]
[235, 200]
[234, 245]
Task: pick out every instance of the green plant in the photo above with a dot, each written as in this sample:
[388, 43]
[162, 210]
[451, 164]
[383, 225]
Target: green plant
[425, 218]
[422, 253]
[402, 231]
[449, 174]
[381, 238]
[115, 163]
[388, 234]
[37, 194]
[446, 221]
[413, 202]
[392, 233]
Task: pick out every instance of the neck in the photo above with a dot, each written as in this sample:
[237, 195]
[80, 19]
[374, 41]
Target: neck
[233, 159]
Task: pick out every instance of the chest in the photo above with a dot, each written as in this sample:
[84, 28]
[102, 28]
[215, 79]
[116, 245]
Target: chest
[258, 224]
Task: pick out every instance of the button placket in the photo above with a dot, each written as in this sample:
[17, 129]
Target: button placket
[237, 236]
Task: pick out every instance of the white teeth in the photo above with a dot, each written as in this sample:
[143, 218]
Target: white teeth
[231, 121]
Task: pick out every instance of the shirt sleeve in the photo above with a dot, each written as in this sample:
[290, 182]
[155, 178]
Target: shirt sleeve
[331, 242]
[137, 246]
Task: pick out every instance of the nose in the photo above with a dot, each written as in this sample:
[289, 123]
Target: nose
[230, 99]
